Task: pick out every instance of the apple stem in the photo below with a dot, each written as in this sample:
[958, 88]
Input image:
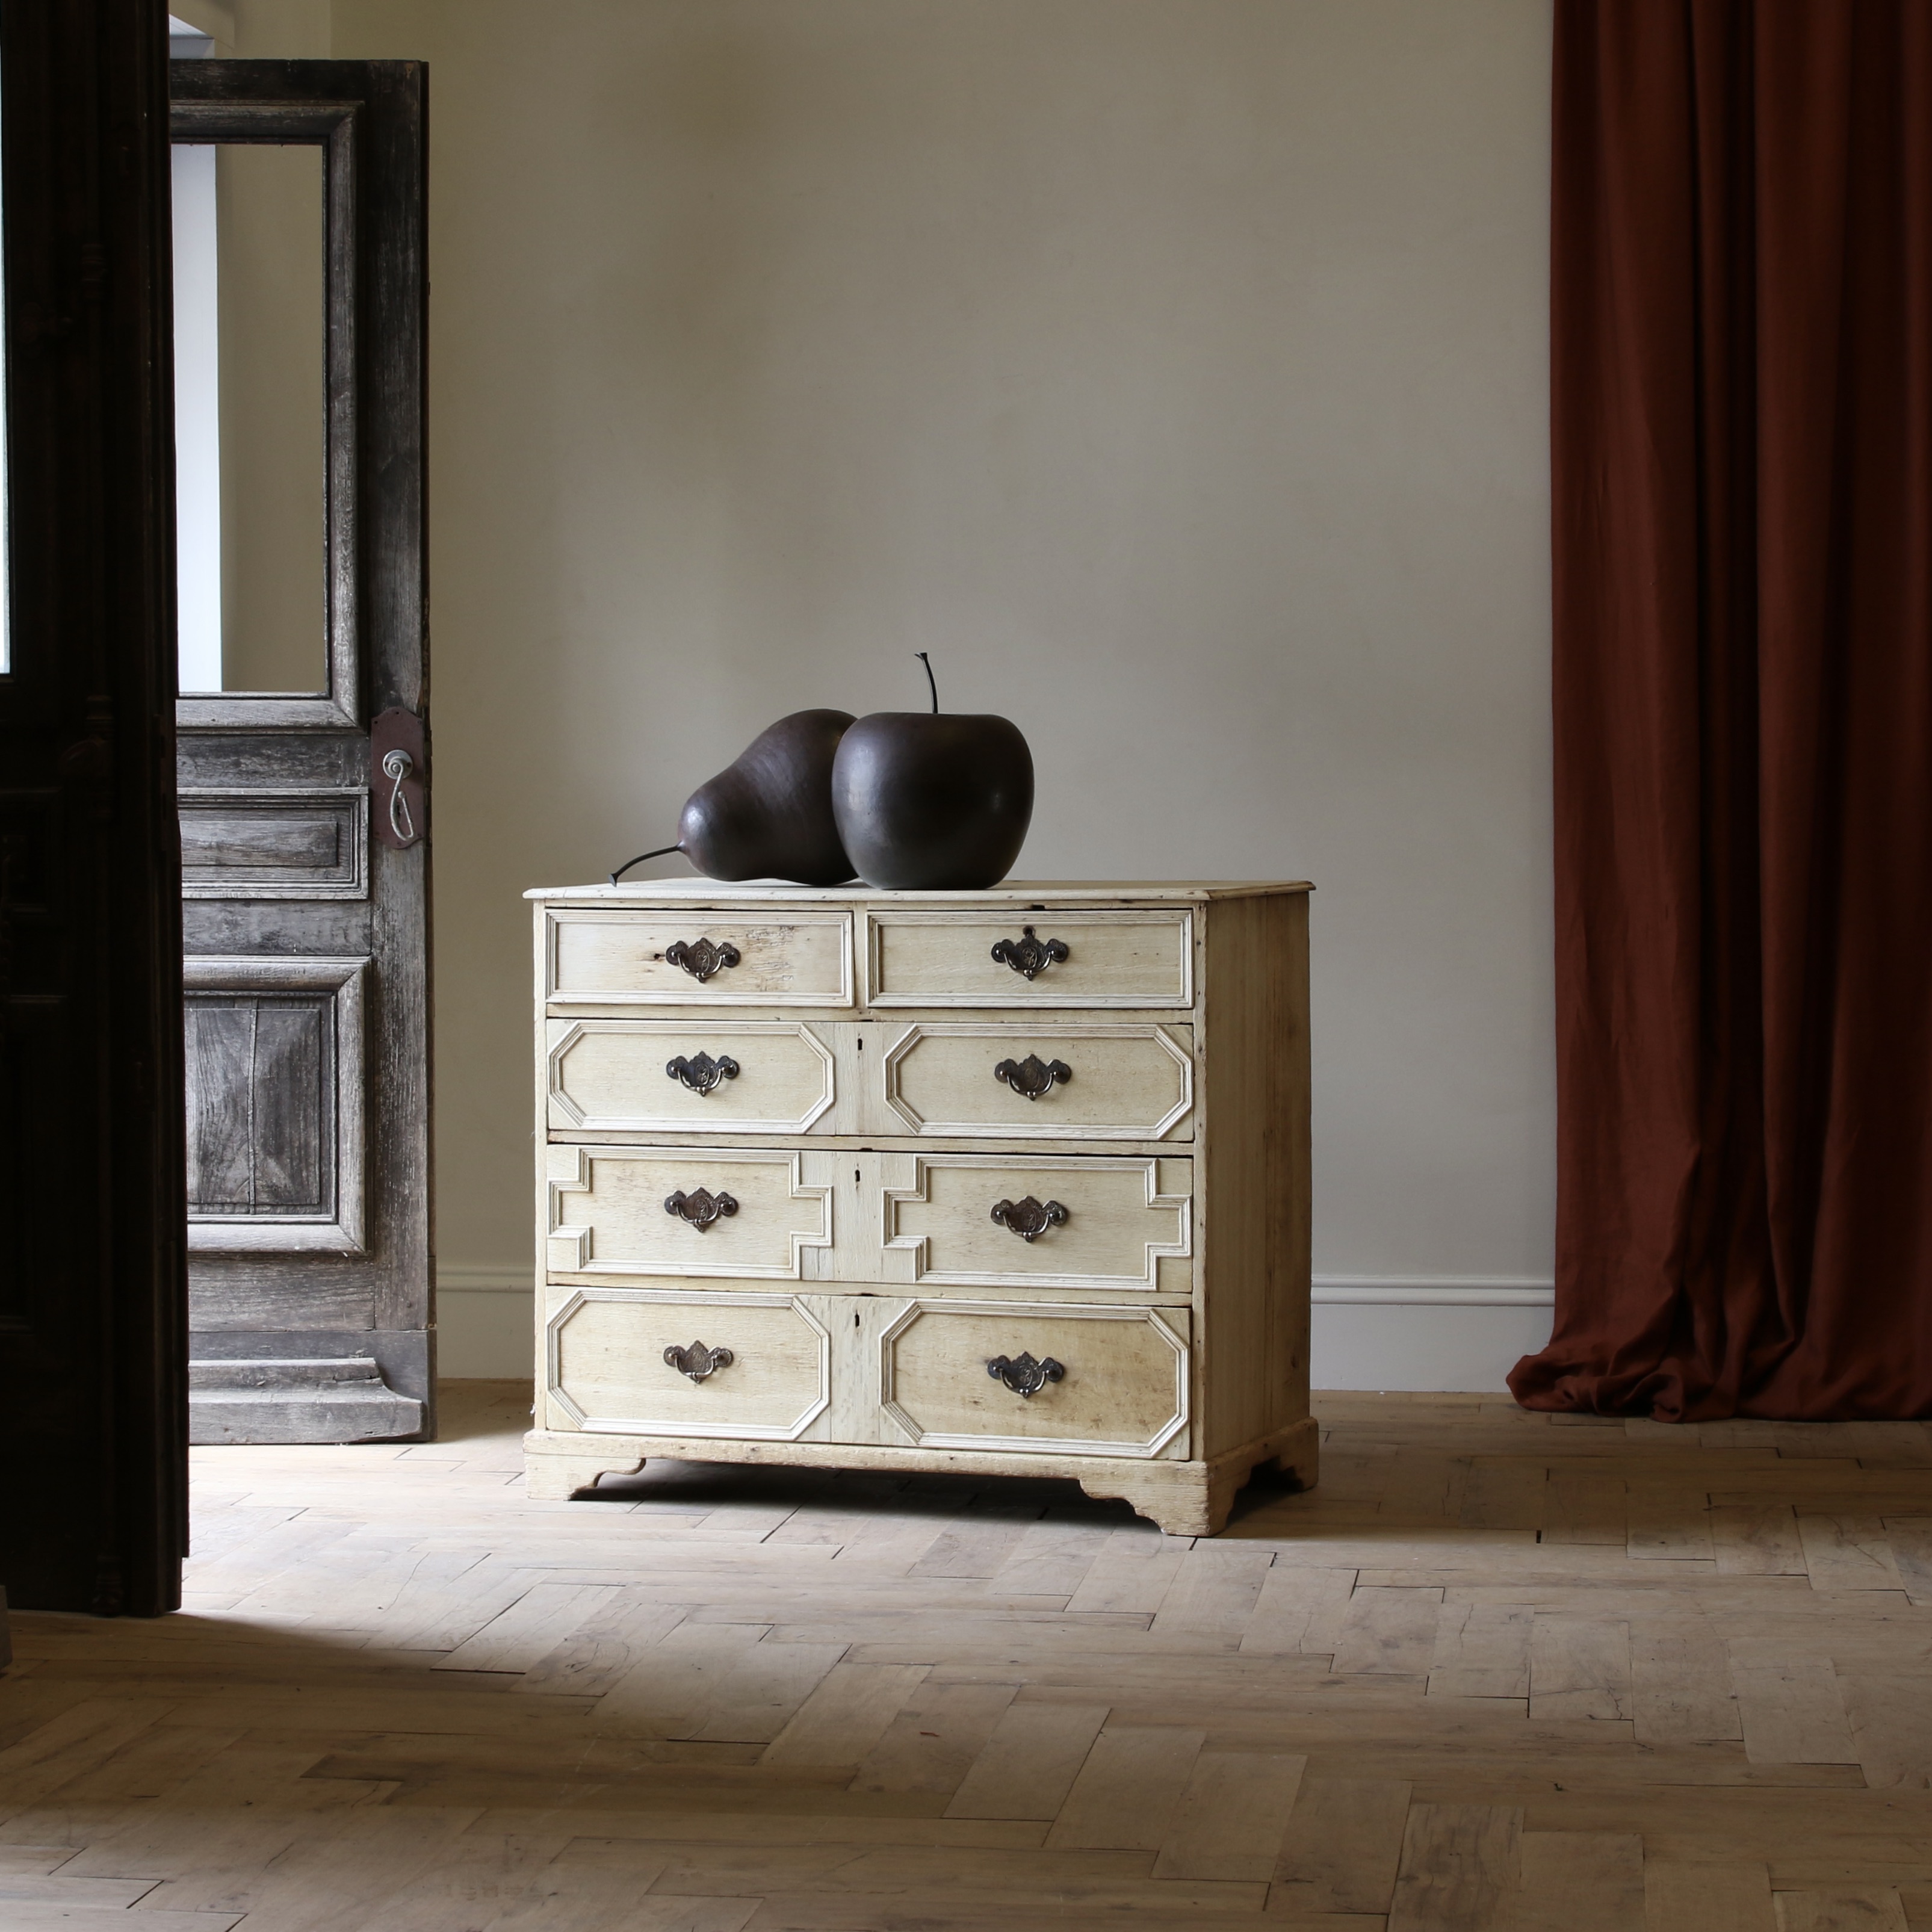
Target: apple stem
[929, 678]
[660, 853]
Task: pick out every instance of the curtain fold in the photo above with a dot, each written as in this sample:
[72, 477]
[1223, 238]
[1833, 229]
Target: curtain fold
[1741, 448]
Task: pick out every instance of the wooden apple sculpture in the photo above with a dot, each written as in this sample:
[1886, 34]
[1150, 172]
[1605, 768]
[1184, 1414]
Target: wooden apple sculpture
[931, 801]
[768, 814]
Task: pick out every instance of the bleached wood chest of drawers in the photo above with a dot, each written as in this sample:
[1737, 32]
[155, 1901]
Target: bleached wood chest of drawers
[1013, 1181]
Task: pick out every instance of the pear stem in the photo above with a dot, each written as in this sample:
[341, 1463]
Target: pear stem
[661, 851]
[929, 678]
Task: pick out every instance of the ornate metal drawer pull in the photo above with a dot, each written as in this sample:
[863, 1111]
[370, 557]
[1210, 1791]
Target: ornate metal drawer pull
[703, 1073]
[1023, 1374]
[1029, 956]
[697, 1361]
[699, 957]
[700, 1208]
[1033, 1076]
[1029, 1219]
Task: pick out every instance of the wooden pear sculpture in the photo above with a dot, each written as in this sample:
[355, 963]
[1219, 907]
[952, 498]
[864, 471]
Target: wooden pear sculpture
[768, 814]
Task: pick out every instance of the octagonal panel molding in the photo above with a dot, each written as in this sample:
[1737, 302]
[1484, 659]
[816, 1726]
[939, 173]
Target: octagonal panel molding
[609, 1076]
[605, 1369]
[1122, 1389]
[1122, 1082]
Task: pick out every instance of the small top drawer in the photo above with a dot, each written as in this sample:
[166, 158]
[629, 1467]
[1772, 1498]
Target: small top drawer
[643, 956]
[1084, 959]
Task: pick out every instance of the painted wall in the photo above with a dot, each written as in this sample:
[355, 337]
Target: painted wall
[1174, 373]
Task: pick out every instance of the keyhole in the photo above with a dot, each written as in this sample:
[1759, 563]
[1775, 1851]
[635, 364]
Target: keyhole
[855, 1176]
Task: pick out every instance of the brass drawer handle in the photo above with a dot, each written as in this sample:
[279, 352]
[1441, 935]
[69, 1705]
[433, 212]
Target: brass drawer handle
[1033, 1076]
[1029, 956]
[697, 1361]
[699, 957]
[1029, 1219]
[700, 1208]
[703, 1073]
[1024, 1376]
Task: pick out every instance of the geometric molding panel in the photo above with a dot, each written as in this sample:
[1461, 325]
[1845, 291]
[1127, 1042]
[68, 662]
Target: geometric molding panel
[943, 1220]
[606, 1371]
[607, 1212]
[1143, 1077]
[609, 1076]
[1122, 1390]
[308, 844]
[274, 1049]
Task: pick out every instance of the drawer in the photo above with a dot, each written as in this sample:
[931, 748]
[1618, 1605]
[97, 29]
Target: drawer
[1022, 1221]
[719, 1076]
[1106, 1381]
[1091, 959]
[1061, 1081]
[691, 957]
[605, 1365]
[726, 1211]
[742, 1214]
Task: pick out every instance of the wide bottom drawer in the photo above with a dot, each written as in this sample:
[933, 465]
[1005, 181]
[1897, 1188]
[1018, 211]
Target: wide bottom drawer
[1088, 1378]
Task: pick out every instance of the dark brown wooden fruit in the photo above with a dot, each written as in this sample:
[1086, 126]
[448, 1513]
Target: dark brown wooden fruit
[768, 815]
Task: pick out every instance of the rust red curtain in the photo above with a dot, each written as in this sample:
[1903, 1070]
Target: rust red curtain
[1742, 452]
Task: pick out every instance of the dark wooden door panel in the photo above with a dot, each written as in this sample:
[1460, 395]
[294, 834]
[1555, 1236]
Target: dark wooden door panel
[307, 1020]
[261, 1107]
[276, 1125]
[93, 1313]
[292, 844]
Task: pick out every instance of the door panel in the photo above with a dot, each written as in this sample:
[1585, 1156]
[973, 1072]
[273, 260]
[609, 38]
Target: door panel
[293, 845]
[276, 1082]
[306, 935]
[94, 1514]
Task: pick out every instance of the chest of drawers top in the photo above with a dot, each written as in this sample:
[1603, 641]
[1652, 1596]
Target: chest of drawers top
[1093, 947]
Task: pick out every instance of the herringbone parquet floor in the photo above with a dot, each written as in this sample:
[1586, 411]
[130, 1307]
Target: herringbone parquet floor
[1496, 1672]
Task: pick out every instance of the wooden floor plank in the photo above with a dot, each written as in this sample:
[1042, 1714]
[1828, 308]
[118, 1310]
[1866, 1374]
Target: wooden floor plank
[1027, 1766]
[1847, 1552]
[1481, 1650]
[1460, 1867]
[1233, 1813]
[845, 1717]
[1579, 1667]
[930, 1745]
[1701, 1898]
[1584, 1508]
[1342, 1846]
[1388, 1632]
[1861, 1909]
[1300, 1610]
[1792, 1715]
[1680, 1691]
[1128, 1791]
[1577, 1882]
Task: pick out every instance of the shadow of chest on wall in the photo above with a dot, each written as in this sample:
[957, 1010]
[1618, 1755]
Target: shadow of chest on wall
[1012, 1182]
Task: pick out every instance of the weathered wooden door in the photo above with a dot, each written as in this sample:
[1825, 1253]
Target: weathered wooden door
[303, 747]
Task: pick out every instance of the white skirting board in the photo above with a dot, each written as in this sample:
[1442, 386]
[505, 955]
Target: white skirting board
[1413, 1332]
[1422, 1332]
